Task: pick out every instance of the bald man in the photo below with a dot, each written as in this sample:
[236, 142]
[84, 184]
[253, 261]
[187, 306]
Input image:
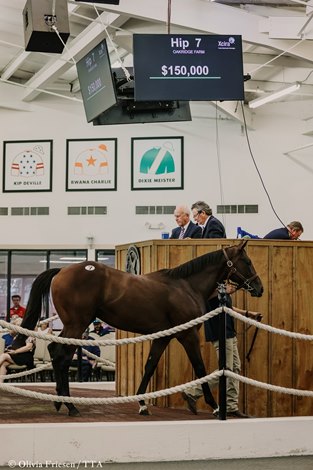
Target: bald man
[186, 228]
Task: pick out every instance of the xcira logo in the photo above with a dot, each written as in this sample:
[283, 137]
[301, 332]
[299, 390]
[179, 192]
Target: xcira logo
[225, 44]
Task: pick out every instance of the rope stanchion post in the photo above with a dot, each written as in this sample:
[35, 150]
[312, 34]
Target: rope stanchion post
[79, 364]
[222, 353]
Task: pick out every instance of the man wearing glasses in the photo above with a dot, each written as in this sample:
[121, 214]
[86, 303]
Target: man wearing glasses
[211, 226]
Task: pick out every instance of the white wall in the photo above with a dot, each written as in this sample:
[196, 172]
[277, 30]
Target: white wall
[279, 129]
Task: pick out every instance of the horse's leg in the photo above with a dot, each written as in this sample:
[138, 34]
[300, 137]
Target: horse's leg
[52, 351]
[157, 348]
[61, 355]
[190, 342]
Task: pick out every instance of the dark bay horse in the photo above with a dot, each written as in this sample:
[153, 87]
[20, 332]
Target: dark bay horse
[138, 303]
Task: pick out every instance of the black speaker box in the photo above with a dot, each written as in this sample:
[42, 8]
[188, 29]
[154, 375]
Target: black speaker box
[39, 17]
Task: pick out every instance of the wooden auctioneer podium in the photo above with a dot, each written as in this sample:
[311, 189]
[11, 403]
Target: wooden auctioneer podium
[286, 271]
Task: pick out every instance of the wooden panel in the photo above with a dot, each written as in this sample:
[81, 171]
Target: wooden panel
[180, 254]
[255, 400]
[303, 351]
[146, 260]
[286, 270]
[161, 257]
[122, 357]
[280, 357]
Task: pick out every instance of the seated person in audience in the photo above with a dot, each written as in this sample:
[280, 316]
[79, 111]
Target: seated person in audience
[87, 362]
[17, 309]
[44, 327]
[23, 356]
[293, 231]
[101, 328]
[9, 337]
[186, 228]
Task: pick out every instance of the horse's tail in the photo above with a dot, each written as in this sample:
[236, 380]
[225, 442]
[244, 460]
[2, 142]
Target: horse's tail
[38, 300]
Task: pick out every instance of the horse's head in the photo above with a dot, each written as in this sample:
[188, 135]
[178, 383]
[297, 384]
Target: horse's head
[241, 270]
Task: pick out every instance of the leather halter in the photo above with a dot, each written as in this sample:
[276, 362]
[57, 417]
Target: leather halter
[232, 269]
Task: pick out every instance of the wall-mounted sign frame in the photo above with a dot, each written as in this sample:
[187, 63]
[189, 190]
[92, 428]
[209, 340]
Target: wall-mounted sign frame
[157, 163]
[27, 166]
[91, 164]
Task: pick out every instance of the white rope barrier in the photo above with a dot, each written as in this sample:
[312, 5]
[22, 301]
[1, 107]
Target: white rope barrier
[160, 334]
[111, 400]
[99, 359]
[270, 387]
[17, 375]
[153, 395]
[168, 332]
[270, 329]
[112, 342]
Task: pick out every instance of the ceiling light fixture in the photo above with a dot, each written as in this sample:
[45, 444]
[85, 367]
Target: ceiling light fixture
[274, 96]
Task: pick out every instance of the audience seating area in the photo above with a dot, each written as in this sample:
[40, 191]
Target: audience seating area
[101, 372]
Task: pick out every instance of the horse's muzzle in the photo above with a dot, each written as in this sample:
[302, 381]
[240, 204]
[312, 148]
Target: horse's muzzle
[257, 291]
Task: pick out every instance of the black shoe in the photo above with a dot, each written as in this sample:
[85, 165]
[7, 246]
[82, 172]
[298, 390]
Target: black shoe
[191, 402]
[237, 414]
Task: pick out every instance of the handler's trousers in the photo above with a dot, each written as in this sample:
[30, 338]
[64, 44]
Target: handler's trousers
[233, 363]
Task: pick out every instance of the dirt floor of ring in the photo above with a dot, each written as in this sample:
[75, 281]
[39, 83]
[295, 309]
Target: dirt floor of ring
[19, 409]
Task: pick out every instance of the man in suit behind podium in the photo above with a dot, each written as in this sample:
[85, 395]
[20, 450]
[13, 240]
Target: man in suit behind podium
[210, 225]
[186, 228]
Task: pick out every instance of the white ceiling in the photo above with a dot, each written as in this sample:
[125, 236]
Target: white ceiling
[277, 44]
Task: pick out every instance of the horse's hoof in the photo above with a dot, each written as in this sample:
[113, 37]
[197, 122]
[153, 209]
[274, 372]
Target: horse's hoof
[57, 405]
[143, 411]
[74, 412]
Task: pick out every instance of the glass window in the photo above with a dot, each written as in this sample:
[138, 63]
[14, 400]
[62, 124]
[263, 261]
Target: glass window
[61, 258]
[106, 257]
[22, 267]
[25, 266]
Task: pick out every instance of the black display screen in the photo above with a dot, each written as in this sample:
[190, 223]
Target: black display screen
[188, 67]
[96, 82]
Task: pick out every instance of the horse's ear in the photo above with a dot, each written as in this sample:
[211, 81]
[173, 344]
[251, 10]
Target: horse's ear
[242, 244]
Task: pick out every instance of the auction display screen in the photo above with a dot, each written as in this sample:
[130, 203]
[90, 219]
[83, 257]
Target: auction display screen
[188, 67]
[96, 82]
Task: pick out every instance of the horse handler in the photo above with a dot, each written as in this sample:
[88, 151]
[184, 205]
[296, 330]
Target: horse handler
[233, 363]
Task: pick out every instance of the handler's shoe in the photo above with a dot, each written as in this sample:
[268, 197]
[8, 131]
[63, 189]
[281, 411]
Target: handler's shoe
[237, 414]
[191, 402]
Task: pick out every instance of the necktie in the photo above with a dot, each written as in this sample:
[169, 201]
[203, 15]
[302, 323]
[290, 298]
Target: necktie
[181, 235]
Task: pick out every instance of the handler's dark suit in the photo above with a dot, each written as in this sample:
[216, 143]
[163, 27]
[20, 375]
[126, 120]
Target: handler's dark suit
[214, 229]
[193, 231]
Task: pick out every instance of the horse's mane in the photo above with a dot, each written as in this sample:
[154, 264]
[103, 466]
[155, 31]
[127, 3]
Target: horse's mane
[193, 266]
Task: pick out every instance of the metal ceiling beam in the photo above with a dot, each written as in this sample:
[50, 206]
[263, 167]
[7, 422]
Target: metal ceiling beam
[11, 68]
[283, 61]
[211, 17]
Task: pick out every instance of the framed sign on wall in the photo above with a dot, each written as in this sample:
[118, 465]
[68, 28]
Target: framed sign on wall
[157, 163]
[91, 164]
[27, 166]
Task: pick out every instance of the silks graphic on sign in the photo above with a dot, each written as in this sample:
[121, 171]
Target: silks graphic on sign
[158, 160]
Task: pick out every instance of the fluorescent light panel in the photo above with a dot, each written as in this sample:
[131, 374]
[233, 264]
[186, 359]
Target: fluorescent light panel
[274, 96]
